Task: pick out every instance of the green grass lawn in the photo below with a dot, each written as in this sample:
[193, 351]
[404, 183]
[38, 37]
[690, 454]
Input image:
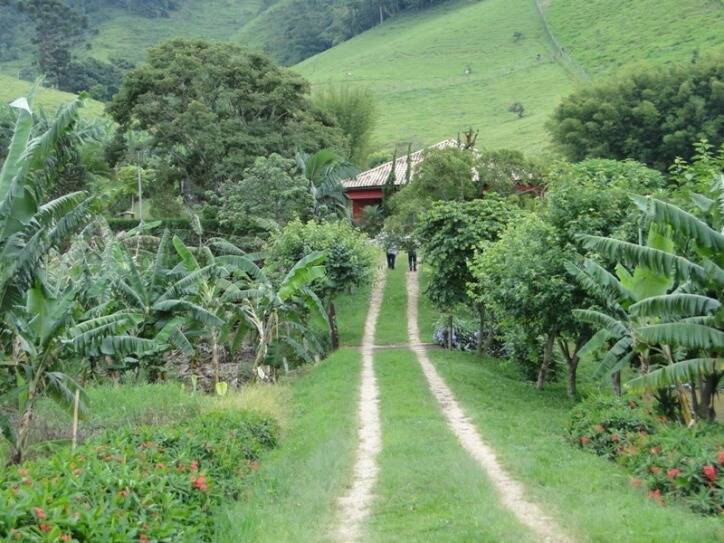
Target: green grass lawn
[593, 497]
[429, 488]
[352, 314]
[110, 407]
[391, 325]
[603, 36]
[48, 99]
[293, 495]
[427, 314]
[415, 65]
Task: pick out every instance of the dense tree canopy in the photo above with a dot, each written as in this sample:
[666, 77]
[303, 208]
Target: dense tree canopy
[271, 191]
[444, 175]
[212, 109]
[593, 196]
[651, 115]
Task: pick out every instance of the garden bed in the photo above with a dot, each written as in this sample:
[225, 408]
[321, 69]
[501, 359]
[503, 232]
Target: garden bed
[666, 459]
[136, 484]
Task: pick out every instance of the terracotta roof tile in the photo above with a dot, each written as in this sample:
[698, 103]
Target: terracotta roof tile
[376, 177]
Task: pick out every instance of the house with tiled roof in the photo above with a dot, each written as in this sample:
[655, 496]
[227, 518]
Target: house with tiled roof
[366, 188]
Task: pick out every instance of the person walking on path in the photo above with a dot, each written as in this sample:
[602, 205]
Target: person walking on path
[410, 245]
[391, 255]
[412, 259]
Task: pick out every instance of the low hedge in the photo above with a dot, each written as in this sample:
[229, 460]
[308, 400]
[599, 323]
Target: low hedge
[140, 485]
[665, 458]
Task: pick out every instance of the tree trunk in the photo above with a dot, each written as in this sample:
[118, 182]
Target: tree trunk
[616, 382]
[333, 331]
[450, 327]
[23, 434]
[481, 331]
[707, 390]
[572, 369]
[545, 364]
[215, 356]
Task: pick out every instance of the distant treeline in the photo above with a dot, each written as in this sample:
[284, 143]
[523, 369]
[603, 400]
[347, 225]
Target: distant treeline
[306, 27]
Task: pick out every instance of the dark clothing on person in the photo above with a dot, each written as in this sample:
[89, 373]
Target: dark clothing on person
[412, 260]
[391, 257]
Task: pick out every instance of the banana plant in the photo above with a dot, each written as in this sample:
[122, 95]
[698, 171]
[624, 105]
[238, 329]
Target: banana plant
[277, 315]
[682, 325]
[46, 337]
[29, 229]
[205, 286]
[160, 301]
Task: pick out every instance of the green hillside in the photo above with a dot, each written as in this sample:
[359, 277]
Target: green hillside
[416, 65]
[603, 36]
[48, 99]
[125, 35]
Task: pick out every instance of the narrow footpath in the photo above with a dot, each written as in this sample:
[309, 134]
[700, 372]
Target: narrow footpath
[511, 492]
[355, 505]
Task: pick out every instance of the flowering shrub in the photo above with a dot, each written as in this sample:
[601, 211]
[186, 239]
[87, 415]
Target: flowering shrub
[146, 484]
[465, 334]
[669, 460]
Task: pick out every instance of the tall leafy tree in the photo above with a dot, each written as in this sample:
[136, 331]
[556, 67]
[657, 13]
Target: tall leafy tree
[211, 109]
[58, 28]
[451, 234]
[653, 115]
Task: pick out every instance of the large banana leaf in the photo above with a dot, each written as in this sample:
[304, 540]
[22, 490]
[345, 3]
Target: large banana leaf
[591, 316]
[684, 334]
[681, 372]
[682, 222]
[303, 273]
[631, 254]
[616, 358]
[675, 305]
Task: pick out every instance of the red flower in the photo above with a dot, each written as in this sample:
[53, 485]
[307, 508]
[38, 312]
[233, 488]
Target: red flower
[143, 538]
[655, 470]
[720, 457]
[656, 496]
[635, 482]
[40, 513]
[66, 538]
[200, 483]
[585, 440]
[673, 473]
[615, 438]
[709, 472]
[45, 528]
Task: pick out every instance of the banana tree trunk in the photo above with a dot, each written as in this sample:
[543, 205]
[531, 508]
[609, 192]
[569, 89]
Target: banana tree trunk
[215, 356]
[616, 383]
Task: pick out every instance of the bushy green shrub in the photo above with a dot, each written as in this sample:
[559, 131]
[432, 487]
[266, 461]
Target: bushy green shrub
[669, 460]
[144, 484]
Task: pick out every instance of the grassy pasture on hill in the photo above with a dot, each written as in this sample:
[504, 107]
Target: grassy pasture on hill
[48, 99]
[603, 36]
[416, 67]
[128, 36]
[415, 64]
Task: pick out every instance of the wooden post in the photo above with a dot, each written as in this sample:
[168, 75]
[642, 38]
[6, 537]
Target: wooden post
[75, 418]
